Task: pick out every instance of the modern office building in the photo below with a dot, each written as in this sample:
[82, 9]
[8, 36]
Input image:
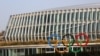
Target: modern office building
[39, 25]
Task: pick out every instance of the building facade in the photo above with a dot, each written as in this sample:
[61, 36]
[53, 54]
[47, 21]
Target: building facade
[66, 20]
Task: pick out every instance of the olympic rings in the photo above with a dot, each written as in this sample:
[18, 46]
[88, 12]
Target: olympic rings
[86, 36]
[70, 48]
[56, 41]
[71, 43]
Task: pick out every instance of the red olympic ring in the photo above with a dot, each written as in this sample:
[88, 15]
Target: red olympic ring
[86, 36]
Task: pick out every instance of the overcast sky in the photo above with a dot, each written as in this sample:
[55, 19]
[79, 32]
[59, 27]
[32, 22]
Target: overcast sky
[9, 7]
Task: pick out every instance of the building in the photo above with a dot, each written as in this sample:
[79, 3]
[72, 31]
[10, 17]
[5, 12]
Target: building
[39, 25]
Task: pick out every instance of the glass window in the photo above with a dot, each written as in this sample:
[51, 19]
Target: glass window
[36, 29]
[59, 28]
[43, 29]
[20, 19]
[11, 32]
[68, 17]
[52, 18]
[56, 18]
[30, 30]
[60, 17]
[72, 17]
[47, 28]
[81, 16]
[38, 19]
[51, 28]
[63, 28]
[28, 20]
[17, 32]
[76, 28]
[34, 19]
[80, 28]
[40, 29]
[98, 27]
[23, 21]
[93, 26]
[77, 14]
[27, 31]
[84, 28]
[85, 16]
[48, 21]
[89, 27]
[67, 28]
[71, 30]
[17, 21]
[45, 18]
[33, 29]
[41, 19]
[55, 27]
[31, 19]
[64, 17]
[89, 16]
[94, 15]
[98, 15]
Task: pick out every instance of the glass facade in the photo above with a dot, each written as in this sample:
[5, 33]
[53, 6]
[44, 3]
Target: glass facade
[30, 26]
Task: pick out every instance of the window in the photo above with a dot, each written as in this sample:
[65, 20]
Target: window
[56, 18]
[31, 19]
[67, 28]
[72, 16]
[33, 29]
[68, 17]
[81, 16]
[25, 20]
[98, 15]
[43, 29]
[63, 28]
[34, 19]
[80, 27]
[89, 16]
[51, 28]
[77, 14]
[20, 19]
[40, 29]
[59, 28]
[94, 15]
[76, 28]
[64, 17]
[85, 16]
[84, 28]
[93, 26]
[55, 27]
[48, 21]
[17, 21]
[52, 18]
[38, 19]
[47, 28]
[98, 27]
[41, 19]
[45, 18]
[36, 29]
[89, 27]
[60, 17]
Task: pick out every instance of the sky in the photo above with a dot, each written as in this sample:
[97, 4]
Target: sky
[10, 7]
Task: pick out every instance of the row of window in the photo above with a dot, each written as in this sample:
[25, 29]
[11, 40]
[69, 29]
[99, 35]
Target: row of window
[38, 30]
[56, 18]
